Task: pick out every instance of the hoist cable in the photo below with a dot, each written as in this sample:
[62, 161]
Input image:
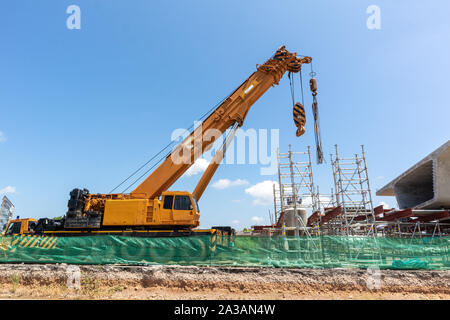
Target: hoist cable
[291, 84]
[319, 152]
[301, 87]
[140, 168]
[224, 147]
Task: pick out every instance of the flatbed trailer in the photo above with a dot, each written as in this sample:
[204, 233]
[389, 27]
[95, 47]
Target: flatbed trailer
[42, 227]
[132, 233]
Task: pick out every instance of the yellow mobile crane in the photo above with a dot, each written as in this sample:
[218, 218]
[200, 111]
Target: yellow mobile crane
[151, 208]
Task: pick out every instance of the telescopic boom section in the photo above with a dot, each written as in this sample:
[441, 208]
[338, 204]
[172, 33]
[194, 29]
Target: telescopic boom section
[233, 110]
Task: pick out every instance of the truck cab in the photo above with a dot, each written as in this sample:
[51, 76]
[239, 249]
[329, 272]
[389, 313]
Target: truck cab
[20, 226]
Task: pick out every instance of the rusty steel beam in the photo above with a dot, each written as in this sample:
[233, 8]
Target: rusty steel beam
[391, 216]
[331, 214]
[314, 218]
[442, 215]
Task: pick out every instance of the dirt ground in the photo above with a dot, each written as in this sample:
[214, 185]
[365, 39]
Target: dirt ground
[22, 281]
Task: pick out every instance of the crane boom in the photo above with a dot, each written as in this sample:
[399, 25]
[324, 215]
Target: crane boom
[151, 205]
[232, 110]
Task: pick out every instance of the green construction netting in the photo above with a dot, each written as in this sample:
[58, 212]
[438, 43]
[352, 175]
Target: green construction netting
[288, 252]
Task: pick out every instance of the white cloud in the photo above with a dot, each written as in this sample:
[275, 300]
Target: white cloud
[256, 219]
[235, 222]
[262, 192]
[199, 166]
[324, 201]
[8, 189]
[2, 137]
[226, 183]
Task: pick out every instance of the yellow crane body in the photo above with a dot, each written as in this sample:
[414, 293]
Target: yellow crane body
[153, 212]
[151, 206]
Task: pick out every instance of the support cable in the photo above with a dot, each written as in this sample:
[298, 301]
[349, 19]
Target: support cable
[315, 110]
[162, 150]
[301, 87]
[291, 84]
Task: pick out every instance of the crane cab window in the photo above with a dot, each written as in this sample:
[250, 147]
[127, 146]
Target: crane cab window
[182, 203]
[31, 226]
[14, 228]
[168, 201]
[196, 204]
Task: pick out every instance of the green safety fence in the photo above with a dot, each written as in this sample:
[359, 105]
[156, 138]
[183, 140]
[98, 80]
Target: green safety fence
[288, 252]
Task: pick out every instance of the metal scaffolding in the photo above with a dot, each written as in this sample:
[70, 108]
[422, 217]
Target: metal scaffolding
[348, 210]
[295, 188]
[353, 195]
[412, 223]
[323, 203]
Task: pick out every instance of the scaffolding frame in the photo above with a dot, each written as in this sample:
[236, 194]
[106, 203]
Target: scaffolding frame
[348, 210]
[295, 184]
[413, 229]
[353, 195]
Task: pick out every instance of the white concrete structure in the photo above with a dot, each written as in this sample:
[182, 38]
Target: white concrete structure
[426, 185]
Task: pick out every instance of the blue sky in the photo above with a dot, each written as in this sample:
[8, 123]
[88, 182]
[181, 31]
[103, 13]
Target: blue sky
[84, 108]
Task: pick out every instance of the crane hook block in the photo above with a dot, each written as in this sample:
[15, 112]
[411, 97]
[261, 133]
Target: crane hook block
[299, 118]
[313, 85]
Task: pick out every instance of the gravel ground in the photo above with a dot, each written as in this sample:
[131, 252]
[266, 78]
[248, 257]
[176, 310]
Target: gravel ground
[25, 281]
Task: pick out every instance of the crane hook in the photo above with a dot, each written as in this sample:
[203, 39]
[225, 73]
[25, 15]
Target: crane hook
[299, 118]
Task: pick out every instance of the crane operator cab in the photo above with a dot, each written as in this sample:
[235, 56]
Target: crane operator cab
[180, 207]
